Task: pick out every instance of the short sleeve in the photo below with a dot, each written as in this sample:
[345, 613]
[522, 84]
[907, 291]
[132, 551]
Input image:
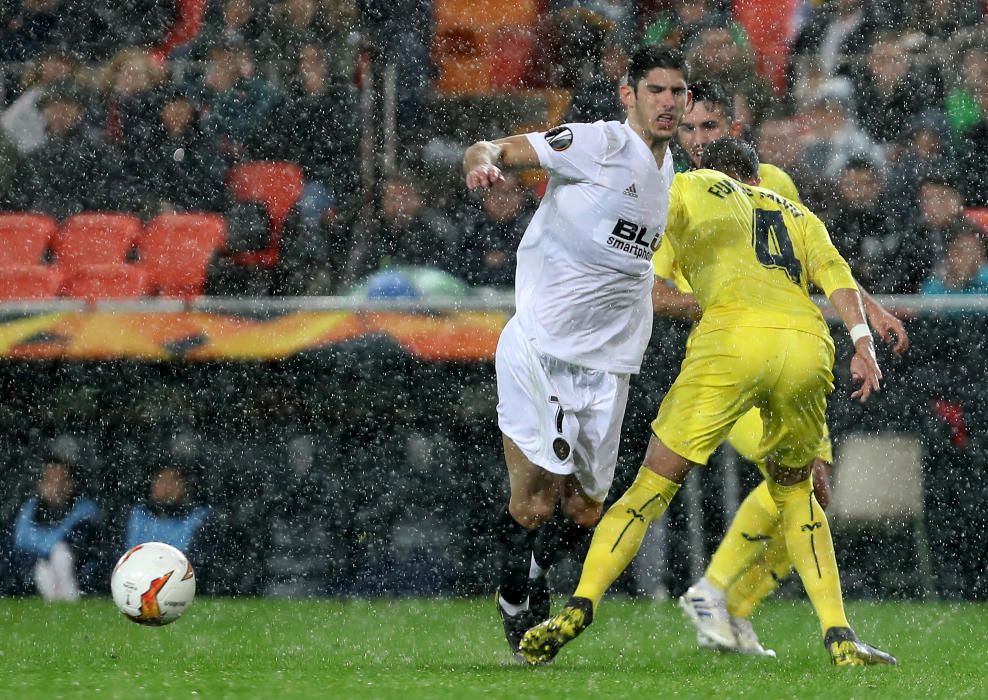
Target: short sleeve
[827, 269]
[572, 151]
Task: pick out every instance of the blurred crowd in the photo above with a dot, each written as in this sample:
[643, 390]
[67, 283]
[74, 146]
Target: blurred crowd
[878, 110]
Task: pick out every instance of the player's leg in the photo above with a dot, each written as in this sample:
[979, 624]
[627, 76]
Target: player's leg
[615, 542]
[695, 416]
[566, 534]
[705, 603]
[533, 498]
[794, 428]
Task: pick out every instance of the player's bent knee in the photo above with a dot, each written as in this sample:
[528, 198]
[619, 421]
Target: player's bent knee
[532, 511]
[787, 476]
[583, 513]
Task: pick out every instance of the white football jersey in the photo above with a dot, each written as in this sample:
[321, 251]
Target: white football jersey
[584, 277]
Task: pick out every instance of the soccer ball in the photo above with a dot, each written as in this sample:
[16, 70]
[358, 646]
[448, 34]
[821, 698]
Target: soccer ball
[153, 584]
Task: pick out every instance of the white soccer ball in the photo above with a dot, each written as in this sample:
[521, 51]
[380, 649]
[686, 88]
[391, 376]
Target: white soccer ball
[153, 583]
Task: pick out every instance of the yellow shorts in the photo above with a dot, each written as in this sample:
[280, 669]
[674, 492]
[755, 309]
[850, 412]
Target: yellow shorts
[726, 373]
[746, 436]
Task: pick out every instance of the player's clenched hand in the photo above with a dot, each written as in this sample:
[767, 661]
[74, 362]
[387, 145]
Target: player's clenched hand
[890, 328]
[484, 176]
[865, 370]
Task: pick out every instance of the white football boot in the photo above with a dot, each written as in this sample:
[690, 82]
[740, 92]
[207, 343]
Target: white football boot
[747, 640]
[706, 607]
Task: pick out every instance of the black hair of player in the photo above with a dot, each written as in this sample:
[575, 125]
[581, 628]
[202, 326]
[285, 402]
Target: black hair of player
[714, 95]
[655, 56]
[732, 157]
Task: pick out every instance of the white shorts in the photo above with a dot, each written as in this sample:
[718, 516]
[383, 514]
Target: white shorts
[563, 417]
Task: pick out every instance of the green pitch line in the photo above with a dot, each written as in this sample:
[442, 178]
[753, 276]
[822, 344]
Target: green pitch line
[454, 649]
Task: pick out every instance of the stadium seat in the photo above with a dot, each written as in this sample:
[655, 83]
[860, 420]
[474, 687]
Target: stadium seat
[106, 281]
[278, 186]
[94, 239]
[484, 16]
[22, 282]
[879, 479]
[176, 249]
[24, 237]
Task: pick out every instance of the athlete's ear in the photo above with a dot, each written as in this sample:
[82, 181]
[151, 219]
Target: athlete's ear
[736, 128]
[626, 94]
[689, 100]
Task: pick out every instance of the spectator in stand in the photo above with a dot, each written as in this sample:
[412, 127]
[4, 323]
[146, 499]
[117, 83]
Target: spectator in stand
[130, 86]
[403, 28]
[837, 32]
[596, 96]
[967, 101]
[22, 119]
[924, 146]
[28, 30]
[889, 91]
[74, 170]
[405, 232]
[314, 246]
[964, 269]
[178, 168]
[861, 229]
[942, 19]
[139, 23]
[490, 242]
[228, 22]
[832, 134]
[678, 25]
[967, 109]
[9, 164]
[238, 102]
[55, 546]
[317, 127]
[718, 54]
[171, 514]
[291, 25]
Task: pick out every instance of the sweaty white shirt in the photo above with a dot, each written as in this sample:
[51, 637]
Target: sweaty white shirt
[584, 278]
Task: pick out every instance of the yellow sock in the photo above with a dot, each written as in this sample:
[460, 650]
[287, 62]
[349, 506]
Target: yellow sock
[811, 550]
[620, 532]
[761, 578]
[746, 538]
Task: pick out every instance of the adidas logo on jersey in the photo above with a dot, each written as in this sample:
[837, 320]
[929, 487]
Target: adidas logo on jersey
[630, 191]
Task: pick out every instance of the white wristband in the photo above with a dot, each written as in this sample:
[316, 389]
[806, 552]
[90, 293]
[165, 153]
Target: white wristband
[860, 331]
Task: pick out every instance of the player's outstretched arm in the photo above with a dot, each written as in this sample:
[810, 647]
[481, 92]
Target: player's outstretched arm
[891, 330]
[482, 162]
[864, 364]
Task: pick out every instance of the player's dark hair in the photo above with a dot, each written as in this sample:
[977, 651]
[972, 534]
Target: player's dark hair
[714, 95]
[732, 157]
[655, 56]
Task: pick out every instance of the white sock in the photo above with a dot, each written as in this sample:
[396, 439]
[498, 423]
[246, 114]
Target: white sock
[535, 571]
[511, 608]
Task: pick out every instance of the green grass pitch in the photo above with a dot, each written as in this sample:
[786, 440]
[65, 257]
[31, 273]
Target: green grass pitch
[410, 649]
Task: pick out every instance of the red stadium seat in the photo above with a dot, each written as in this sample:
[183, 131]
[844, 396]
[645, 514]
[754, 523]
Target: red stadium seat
[24, 237]
[94, 239]
[29, 282]
[175, 251]
[106, 281]
[278, 186]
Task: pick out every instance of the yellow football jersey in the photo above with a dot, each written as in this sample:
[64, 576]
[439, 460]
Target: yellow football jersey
[749, 254]
[776, 179]
[664, 261]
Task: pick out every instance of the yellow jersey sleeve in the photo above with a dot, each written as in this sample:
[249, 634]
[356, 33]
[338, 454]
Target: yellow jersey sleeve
[827, 268]
[664, 266]
[776, 179]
